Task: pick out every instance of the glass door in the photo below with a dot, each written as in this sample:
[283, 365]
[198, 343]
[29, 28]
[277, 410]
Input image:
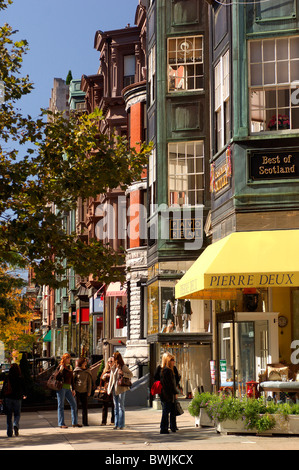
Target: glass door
[247, 343]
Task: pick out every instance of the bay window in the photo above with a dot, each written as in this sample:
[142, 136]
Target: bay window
[273, 79]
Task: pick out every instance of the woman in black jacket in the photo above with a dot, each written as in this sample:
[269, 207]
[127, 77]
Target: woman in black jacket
[12, 393]
[168, 394]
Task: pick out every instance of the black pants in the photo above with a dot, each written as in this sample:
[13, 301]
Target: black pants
[106, 404]
[168, 414]
[83, 398]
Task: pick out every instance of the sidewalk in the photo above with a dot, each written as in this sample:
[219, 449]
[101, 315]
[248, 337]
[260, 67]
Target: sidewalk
[39, 431]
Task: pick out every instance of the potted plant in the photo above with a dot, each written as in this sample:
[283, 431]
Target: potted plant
[279, 122]
[197, 408]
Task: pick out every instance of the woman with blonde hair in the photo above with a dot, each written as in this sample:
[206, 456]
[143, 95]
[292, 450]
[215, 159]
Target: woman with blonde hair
[168, 394]
[119, 370]
[67, 392]
[108, 400]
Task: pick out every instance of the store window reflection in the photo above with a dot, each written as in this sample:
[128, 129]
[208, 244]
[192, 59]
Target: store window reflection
[169, 315]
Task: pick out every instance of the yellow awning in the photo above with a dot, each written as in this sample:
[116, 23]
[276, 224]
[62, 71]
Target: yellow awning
[243, 260]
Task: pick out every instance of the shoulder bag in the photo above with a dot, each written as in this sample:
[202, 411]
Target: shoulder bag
[55, 381]
[124, 381]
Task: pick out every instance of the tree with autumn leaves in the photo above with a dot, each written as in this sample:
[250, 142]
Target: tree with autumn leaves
[47, 163]
[15, 314]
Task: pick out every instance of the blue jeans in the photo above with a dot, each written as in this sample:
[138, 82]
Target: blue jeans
[12, 407]
[61, 395]
[119, 409]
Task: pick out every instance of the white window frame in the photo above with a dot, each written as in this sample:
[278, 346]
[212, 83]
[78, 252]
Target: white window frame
[152, 178]
[185, 63]
[222, 98]
[186, 182]
[275, 71]
[152, 75]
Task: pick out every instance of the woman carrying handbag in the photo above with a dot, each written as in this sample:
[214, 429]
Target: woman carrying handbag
[119, 383]
[67, 392]
[168, 395]
[107, 399]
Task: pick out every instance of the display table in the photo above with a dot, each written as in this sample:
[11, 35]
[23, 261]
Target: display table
[277, 386]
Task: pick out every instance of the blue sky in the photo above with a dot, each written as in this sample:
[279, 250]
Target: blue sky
[61, 37]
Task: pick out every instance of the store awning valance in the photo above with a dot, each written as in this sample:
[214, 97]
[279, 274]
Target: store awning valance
[48, 337]
[243, 260]
[116, 289]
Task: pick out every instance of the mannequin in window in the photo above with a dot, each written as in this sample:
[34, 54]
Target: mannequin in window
[168, 317]
[178, 314]
[187, 314]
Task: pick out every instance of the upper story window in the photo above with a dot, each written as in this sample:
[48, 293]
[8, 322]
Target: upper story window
[185, 63]
[222, 108]
[273, 80]
[152, 75]
[186, 173]
[129, 70]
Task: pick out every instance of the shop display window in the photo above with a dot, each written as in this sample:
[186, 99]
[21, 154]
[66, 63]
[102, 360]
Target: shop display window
[169, 315]
[193, 365]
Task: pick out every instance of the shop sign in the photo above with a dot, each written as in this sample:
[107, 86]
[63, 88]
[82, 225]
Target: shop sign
[273, 165]
[223, 370]
[186, 228]
[220, 175]
[213, 372]
[253, 280]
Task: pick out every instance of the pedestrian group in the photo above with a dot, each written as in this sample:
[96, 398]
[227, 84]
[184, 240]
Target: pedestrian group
[77, 387]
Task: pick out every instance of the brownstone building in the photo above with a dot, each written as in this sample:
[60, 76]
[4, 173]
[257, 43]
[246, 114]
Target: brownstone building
[104, 217]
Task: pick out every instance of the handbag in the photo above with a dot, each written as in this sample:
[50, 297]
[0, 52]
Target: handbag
[124, 381]
[178, 409]
[156, 388]
[101, 393]
[55, 383]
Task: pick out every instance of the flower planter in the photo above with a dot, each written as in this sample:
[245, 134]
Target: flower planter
[284, 425]
[203, 420]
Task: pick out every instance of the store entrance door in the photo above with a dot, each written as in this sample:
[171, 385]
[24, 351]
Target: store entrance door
[247, 343]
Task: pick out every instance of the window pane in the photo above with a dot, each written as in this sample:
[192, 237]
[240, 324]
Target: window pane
[295, 118]
[269, 73]
[256, 51]
[129, 65]
[283, 98]
[282, 72]
[256, 75]
[269, 50]
[282, 49]
[294, 42]
[199, 165]
[294, 70]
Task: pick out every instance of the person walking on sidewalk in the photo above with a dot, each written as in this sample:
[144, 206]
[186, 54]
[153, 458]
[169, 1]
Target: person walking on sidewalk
[83, 387]
[168, 395]
[119, 370]
[67, 392]
[13, 391]
[177, 376]
[108, 399]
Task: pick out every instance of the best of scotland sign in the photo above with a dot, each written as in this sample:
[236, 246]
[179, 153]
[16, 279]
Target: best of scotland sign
[273, 165]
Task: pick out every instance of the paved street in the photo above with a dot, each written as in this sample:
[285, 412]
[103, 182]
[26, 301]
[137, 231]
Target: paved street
[39, 431]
